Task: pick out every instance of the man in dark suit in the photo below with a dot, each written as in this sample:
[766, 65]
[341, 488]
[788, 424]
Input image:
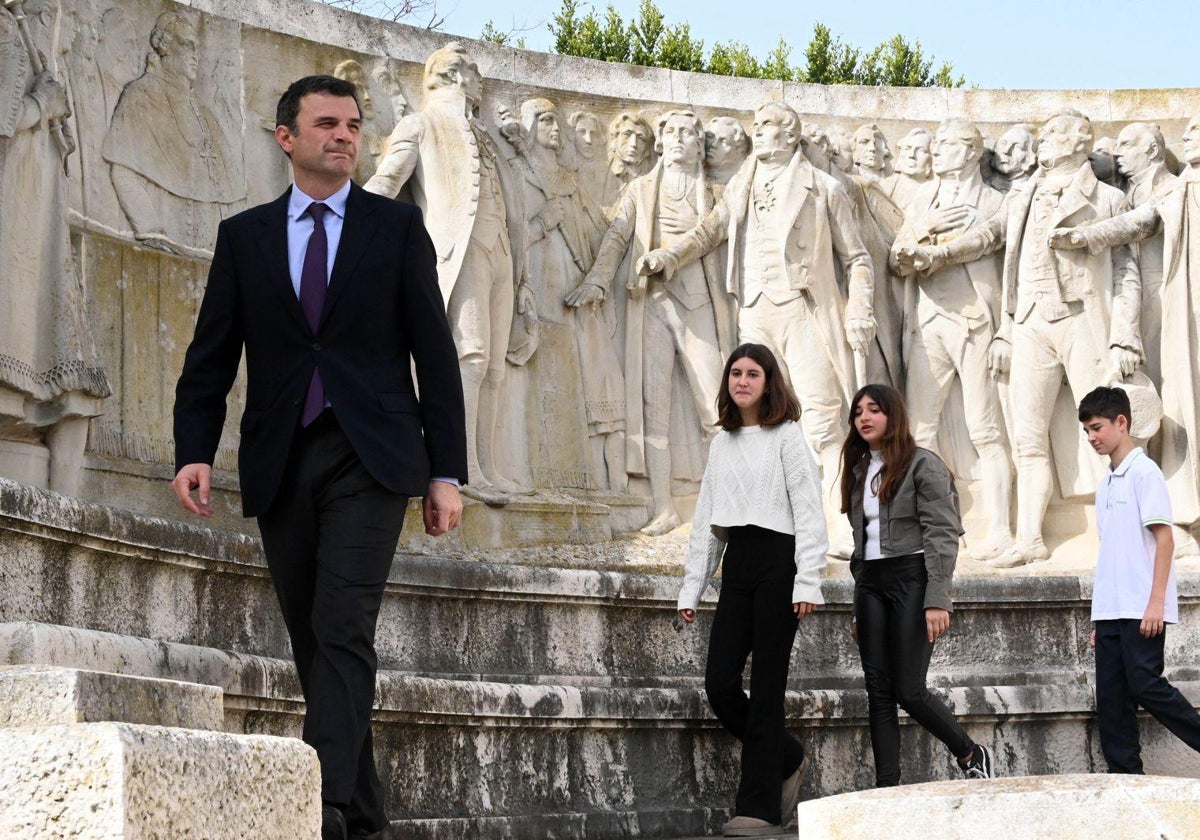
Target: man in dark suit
[332, 291]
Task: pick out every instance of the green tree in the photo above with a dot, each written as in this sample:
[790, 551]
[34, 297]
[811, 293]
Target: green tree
[828, 61]
[680, 51]
[647, 34]
[777, 65]
[733, 59]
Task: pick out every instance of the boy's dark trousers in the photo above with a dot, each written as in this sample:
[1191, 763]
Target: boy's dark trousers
[1129, 674]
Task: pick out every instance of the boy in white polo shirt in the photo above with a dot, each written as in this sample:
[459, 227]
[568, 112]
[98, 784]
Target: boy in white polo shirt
[1134, 595]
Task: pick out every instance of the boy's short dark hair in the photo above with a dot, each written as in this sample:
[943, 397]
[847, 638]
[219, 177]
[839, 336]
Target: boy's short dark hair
[1109, 403]
[289, 104]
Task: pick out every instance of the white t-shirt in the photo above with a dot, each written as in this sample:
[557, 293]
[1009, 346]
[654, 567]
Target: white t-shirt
[872, 550]
[1129, 500]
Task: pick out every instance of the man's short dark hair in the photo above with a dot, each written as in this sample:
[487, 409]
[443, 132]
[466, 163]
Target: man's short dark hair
[1109, 403]
[289, 104]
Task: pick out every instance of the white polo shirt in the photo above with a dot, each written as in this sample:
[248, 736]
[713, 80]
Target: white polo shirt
[1129, 500]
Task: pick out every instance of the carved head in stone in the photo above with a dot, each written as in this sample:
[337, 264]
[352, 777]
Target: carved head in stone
[630, 138]
[957, 146]
[776, 131]
[451, 67]
[1138, 146]
[1066, 138]
[1016, 151]
[175, 45]
[870, 149]
[589, 134]
[1191, 143]
[817, 147]
[913, 155]
[353, 72]
[726, 144]
[680, 139]
[116, 35]
[841, 147]
[539, 118]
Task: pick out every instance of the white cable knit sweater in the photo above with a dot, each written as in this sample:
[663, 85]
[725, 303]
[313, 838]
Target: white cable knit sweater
[764, 476]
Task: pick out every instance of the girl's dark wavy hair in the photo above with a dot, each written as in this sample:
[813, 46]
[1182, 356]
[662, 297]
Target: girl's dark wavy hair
[898, 445]
[779, 401]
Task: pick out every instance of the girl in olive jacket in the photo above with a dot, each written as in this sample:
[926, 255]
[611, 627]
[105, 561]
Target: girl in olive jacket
[903, 509]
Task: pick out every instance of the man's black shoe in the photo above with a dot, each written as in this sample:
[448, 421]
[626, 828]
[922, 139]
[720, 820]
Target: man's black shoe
[333, 823]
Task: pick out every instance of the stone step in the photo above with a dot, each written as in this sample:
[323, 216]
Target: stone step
[1067, 807]
[40, 695]
[148, 782]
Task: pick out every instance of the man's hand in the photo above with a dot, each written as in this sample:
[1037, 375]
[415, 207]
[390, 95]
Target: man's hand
[1124, 361]
[51, 96]
[945, 219]
[443, 508]
[194, 477]
[657, 261]
[526, 303]
[585, 293]
[860, 332]
[1152, 620]
[1092, 638]
[688, 616]
[1067, 239]
[803, 608]
[999, 357]
[912, 260]
[937, 622]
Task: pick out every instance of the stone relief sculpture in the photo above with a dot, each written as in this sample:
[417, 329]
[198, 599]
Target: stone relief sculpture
[957, 313]
[1062, 312]
[374, 139]
[50, 380]
[674, 318]
[1014, 158]
[1171, 213]
[565, 228]
[174, 167]
[726, 147]
[870, 152]
[913, 167]
[630, 142]
[789, 226]
[474, 209]
[386, 79]
[591, 150]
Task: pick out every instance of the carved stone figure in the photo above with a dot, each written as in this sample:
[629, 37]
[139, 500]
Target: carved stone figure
[565, 227]
[373, 140]
[630, 141]
[841, 150]
[1074, 313]
[956, 317]
[474, 211]
[675, 319]
[1172, 213]
[386, 79]
[913, 167]
[50, 380]
[872, 157]
[1014, 158]
[176, 171]
[726, 147]
[789, 226]
[591, 150]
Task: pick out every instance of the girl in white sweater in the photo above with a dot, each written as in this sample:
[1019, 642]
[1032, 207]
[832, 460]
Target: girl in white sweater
[760, 506]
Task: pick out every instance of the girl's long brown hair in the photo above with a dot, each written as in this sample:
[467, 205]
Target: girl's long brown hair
[897, 447]
[779, 401]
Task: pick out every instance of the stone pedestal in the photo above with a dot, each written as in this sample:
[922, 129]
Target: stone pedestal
[26, 462]
[1072, 807]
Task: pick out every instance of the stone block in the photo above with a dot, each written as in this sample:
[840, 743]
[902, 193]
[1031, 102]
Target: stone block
[1072, 807]
[36, 695]
[105, 780]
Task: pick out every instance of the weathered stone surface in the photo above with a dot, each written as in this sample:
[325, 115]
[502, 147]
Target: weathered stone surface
[38, 695]
[108, 780]
[1071, 807]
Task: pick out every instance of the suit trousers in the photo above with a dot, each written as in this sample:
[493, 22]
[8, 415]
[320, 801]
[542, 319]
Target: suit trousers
[754, 613]
[329, 538]
[1129, 673]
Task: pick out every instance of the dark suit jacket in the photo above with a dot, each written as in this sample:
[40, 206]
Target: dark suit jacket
[383, 306]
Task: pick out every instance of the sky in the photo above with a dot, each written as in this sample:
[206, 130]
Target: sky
[1018, 44]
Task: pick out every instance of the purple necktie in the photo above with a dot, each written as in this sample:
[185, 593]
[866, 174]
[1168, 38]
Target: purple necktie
[313, 281]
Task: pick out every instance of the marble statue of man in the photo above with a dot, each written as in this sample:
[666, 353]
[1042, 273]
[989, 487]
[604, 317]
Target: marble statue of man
[591, 150]
[872, 157]
[1173, 214]
[726, 147]
[1014, 158]
[1062, 312]
[630, 145]
[956, 318]
[174, 165]
[50, 380]
[789, 228]
[1141, 154]
[674, 320]
[373, 140]
[475, 214]
[913, 167]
